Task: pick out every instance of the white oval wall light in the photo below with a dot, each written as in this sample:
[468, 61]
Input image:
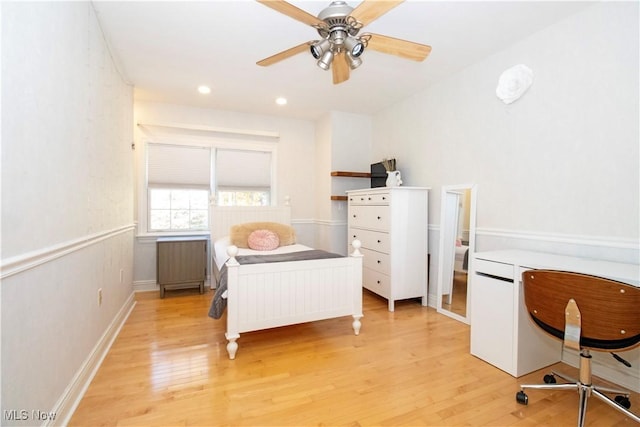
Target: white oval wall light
[513, 83]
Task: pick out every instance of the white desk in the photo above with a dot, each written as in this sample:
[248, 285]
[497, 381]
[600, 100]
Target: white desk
[501, 331]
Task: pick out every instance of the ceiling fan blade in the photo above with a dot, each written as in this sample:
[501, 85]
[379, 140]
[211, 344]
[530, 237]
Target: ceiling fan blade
[398, 47]
[292, 11]
[340, 68]
[284, 54]
[370, 10]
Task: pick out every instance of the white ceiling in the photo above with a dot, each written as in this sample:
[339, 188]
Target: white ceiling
[167, 49]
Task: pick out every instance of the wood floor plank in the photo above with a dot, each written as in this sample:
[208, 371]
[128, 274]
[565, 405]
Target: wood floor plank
[169, 366]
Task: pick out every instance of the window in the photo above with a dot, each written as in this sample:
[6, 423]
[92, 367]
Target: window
[181, 178]
[243, 178]
[178, 179]
[178, 209]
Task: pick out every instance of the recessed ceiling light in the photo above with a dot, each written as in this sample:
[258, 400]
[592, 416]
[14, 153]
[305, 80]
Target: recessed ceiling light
[204, 89]
[281, 101]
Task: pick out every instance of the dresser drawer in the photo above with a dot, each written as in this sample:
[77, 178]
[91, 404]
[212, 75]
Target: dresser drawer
[373, 217]
[376, 240]
[376, 282]
[378, 199]
[358, 199]
[377, 261]
[370, 198]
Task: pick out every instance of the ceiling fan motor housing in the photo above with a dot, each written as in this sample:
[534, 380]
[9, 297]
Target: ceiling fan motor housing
[338, 20]
[340, 32]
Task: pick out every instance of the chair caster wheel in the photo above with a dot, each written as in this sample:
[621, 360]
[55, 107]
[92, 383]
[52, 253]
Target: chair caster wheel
[522, 398]
[623, 401]
[549, 379]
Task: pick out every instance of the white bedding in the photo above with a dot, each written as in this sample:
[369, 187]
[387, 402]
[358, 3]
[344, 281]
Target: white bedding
[220, 250]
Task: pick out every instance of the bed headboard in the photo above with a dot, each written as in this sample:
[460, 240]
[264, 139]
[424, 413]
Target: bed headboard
[223, 217]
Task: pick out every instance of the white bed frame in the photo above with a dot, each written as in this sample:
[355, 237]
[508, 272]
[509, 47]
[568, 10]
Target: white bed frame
[262, 296]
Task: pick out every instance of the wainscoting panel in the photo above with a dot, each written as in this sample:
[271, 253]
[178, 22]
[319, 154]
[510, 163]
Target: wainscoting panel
[62, 307]
[72, 396]
[602, 248]
[606, 249]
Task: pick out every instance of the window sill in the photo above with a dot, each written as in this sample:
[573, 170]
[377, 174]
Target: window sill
[152, 237]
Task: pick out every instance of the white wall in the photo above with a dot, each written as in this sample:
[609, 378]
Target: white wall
[67, 204]
[295, 175]
[323, 143]
[351, 151]
[295, 144]
[343, 143]
[306, 154]
[556, 170]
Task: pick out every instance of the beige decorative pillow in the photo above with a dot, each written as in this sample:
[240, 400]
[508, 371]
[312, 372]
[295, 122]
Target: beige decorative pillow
[239, 234]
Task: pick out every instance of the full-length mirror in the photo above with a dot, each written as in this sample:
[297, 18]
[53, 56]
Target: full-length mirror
[457, 242]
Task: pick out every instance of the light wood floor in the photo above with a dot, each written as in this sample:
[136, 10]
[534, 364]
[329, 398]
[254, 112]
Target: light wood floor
[169, 366]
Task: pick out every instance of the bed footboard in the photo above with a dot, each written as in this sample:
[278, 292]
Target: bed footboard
[262, 296]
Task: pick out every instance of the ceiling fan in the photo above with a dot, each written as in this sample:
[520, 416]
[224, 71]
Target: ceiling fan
[341, 44]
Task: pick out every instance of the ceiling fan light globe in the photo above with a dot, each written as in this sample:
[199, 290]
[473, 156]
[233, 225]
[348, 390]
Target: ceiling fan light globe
[315, 51]
[354, 46]
[354, 61]
[319, 47]
[325, 61]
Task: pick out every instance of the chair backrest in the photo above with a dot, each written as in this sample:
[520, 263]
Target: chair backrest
[609, 310]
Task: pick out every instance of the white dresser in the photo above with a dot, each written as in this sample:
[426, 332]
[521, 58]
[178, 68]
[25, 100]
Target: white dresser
[392, 224]
[502, 332]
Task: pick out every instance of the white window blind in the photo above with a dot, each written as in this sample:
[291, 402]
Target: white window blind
[178, 165]
[243, 169]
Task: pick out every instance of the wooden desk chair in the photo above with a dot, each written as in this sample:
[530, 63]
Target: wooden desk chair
[587, 313]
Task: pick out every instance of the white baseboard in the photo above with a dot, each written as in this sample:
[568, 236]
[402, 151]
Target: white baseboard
[70, 399]
[432, 301]
[145, 286]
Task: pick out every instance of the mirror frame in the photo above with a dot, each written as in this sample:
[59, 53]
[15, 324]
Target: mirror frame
[472, 242]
